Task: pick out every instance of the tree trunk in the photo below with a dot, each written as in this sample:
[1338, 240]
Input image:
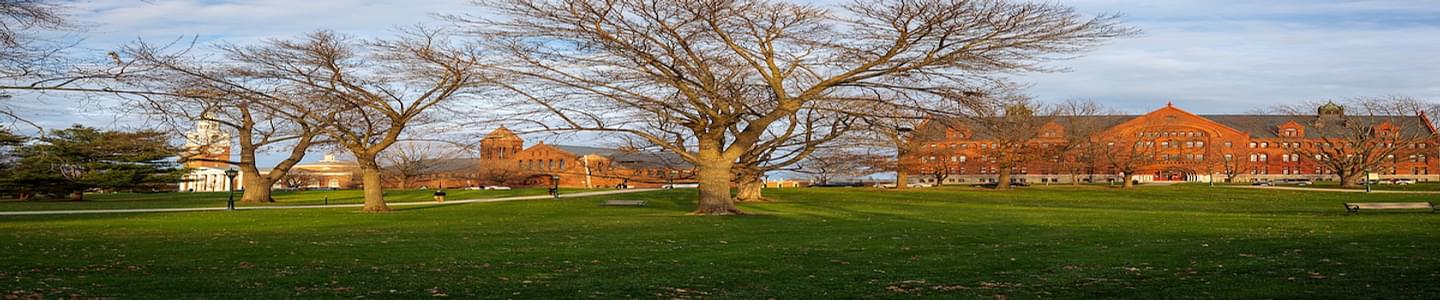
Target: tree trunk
[750, 191]
[371, 182]
[1129, 180]
[714, 175]
[1352, 179]
[257, 188]
[901, 180]
[1074, 178]
[1004, 183]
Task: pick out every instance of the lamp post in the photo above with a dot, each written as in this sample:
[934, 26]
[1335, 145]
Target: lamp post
[230, 174]
[555, 186]
[1367, 180]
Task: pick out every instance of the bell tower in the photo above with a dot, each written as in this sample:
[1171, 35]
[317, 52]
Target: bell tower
[207, 144]
[501, 144]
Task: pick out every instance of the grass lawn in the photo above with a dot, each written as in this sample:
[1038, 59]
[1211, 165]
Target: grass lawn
[1183, 241]
[1418, 186]
[217, 199]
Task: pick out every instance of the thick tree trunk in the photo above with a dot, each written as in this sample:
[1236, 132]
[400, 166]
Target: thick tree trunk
[1074, 178]
[1352, 179]
[749, 185]
[714, 175]
[372, 184]
[257, 188]
[1004, 183]
[750, 190]
[1129, 180]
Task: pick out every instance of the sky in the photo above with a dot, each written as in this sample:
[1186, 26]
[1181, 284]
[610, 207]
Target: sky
[1212, 56]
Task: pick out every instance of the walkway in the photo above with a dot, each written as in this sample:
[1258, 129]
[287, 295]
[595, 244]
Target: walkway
[152, 210]
[1309, 189]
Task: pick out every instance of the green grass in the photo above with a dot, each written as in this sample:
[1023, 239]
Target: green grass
[282, 198]
[1418, 186]
[1184, 241]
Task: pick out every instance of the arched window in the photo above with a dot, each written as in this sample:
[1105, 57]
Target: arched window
[1264, 157]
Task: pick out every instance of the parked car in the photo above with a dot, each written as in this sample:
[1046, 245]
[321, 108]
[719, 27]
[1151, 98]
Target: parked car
[995, 184]
[913, 185]
[496, 187]
[1296, 181]
[1403, 181]
[1262, 183]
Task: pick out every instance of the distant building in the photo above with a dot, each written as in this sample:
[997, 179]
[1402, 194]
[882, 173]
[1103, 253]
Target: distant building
[1182, 147]
[504, 160]
[329, 172]
[207, 150]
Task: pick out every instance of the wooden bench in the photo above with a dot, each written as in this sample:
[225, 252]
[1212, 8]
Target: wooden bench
[623, 203]
[1356, 207]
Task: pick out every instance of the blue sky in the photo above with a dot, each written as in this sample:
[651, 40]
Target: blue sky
[1214, 56]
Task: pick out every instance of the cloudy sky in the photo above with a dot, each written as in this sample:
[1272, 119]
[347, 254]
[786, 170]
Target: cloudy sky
[1212, 56]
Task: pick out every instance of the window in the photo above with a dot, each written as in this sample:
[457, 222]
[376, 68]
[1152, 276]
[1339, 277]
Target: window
[1253, 144]
[1227, 145]
[1199, 144]
[1229, 157]
[1264, 144]
[1254, 157]
[1290, 131]
[962, 158]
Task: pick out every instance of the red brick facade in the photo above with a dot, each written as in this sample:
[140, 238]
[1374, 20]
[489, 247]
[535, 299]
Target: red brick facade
[1185, 147]
[505, 161]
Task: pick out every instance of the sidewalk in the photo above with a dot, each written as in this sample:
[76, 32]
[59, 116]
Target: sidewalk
[1307, 189]
[193, 209]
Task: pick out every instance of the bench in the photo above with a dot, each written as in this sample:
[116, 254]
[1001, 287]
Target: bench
[623, 203]
[1356, 207]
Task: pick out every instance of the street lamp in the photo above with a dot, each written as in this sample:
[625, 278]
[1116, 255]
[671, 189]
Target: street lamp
[555, 186]
[1367, 180]
[231, 173]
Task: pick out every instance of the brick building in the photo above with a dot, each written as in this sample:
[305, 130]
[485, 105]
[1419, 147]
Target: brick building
[504, 160]
[1179, 145]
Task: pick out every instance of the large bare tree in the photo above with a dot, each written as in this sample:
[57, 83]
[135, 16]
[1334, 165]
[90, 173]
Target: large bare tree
[180, 88]
[611, 66]
[364, 94]
[1364, 134]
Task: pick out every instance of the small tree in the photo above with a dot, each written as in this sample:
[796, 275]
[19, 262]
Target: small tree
[409, 160]
[299, 179]
[831, 163]
[1364, 134]
[1011, 123]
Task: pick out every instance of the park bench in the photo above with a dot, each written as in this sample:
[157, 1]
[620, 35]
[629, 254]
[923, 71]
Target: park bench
[1356, 207]
[623, 203]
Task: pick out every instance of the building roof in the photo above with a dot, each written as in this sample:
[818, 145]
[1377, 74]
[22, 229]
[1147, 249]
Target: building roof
[1255, 125]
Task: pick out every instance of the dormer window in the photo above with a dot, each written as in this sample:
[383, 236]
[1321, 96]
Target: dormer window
[1290, 132]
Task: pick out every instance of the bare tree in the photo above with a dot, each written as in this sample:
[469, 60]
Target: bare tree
[179, 89]
[828, 164]
[299, 179]
[364, 94]
[795, 140]
[1081, 120]
[610, 65]
[1011, 124]
[1126, 151]
[409, 160]
[1363, 135]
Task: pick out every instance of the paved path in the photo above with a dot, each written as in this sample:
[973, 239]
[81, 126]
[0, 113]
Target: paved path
[151, 210]
[1309, 189]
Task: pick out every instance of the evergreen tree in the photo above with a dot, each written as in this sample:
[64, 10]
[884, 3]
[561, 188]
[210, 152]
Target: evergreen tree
[77, 159]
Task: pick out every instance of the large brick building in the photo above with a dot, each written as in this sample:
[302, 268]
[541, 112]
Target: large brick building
[504, 159]
[1182, 147]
